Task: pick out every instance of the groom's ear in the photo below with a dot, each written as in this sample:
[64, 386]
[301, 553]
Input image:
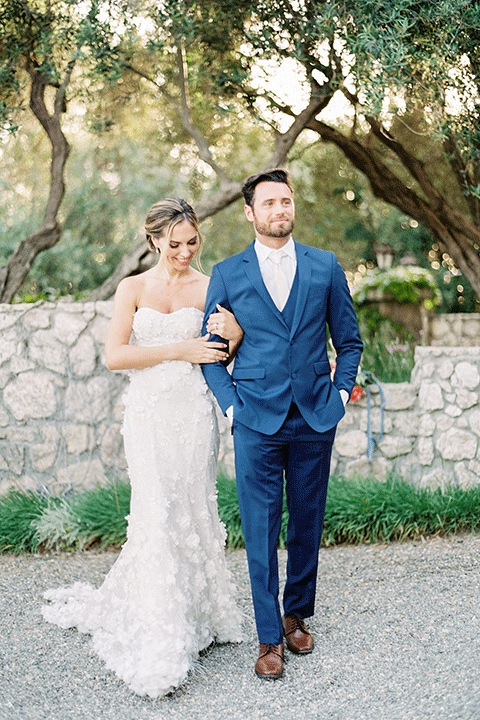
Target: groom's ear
[248, 212]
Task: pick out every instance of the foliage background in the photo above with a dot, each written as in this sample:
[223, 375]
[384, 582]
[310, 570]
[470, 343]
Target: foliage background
[150, 79]
[114, 177]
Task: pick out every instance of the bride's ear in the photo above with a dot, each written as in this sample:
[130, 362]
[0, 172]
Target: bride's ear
[154, 248]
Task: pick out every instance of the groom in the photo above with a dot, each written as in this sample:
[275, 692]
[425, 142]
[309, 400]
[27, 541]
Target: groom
[283, 406]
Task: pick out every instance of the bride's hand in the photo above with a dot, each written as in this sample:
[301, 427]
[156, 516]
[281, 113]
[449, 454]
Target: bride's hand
[224, 324]
[199, 350]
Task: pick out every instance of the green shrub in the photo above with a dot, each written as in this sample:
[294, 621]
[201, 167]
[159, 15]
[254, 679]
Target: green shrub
[405, 283]
[362, 510]
[18, 512]
[366, 510]
[101, 513]
[58, 527]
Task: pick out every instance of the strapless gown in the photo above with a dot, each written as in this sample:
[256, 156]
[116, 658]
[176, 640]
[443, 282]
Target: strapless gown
[169, 594]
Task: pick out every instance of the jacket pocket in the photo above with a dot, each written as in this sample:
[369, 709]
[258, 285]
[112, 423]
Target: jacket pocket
[322, 367]
[253, 373]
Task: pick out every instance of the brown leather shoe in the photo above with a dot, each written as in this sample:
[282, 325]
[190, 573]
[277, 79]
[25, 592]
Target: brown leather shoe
[270, 662]
[297, 636]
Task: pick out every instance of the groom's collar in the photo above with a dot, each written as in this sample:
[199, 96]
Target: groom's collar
[263, 251]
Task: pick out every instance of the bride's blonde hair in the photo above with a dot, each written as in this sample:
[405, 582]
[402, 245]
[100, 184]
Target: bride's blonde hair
[164, 215]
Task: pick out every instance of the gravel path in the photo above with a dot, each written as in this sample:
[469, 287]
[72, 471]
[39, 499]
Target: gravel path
[396, 630]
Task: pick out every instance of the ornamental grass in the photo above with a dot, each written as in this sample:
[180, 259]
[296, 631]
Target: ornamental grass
[361, 510]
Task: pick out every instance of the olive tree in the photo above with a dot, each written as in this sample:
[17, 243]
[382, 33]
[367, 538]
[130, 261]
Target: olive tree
[42, 45]
[405, 75]
[394, 86]
[186, 55]
[408, 75]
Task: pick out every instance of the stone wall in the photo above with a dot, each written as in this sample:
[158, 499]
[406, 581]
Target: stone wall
[61, 409]
[455, 329]
[431, 425]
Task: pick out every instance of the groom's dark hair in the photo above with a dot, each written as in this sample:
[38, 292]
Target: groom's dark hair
[274, 175]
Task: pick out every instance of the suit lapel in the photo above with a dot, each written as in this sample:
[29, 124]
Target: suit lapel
[252, 270]
[304, 270]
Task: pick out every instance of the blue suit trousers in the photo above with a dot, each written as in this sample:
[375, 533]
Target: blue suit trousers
[300, 456]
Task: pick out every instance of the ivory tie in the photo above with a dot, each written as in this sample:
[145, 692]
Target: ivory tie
[282, 286]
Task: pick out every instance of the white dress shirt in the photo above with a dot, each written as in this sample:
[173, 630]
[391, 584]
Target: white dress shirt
[288, 262]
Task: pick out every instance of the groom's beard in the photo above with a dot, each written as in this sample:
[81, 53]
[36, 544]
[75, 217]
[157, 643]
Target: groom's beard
[278, 231]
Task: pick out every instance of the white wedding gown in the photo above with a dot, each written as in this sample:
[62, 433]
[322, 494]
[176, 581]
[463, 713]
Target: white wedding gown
[169, 594]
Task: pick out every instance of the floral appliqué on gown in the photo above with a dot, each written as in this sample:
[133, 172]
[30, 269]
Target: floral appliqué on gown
[169, 593]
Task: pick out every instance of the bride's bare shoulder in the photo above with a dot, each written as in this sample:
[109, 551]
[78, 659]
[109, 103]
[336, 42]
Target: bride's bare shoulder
[130, 289]
[133, 283]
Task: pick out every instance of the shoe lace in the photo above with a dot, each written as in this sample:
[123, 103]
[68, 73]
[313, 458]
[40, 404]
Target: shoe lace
[296, 623]
[271, 648]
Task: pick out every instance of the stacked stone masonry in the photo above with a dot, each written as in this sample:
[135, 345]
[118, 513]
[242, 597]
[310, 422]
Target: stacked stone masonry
[431, 425]
[455, 329]
[61, 409]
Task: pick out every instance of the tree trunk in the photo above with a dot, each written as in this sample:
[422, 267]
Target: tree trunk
[456, 234]
[14, 272]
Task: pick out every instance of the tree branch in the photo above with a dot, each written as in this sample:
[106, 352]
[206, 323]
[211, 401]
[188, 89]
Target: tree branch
[455, 233]
[463, 175]
[414, 166]
[202, 144]
[160, 87]
[184, 115]
[319, 98]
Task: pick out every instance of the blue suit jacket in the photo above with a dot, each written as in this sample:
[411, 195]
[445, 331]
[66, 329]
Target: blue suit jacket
[275, 363]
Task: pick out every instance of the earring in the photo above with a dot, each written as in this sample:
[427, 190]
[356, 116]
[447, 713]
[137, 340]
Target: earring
[157, 249]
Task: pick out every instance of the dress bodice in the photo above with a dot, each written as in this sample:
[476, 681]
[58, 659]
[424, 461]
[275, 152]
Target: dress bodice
[176, 381]
[151, 327]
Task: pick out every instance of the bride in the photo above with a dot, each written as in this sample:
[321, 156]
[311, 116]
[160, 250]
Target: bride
[169, 594]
